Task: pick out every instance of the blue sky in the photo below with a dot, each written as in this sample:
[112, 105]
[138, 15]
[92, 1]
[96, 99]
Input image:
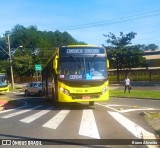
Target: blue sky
[86, 20]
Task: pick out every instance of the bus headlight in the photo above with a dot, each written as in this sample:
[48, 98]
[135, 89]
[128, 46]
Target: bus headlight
[61, 89]
[64, 90]
[104, 89]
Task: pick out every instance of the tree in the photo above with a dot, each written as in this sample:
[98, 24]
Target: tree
[23, 66]
[38, 47]
[122, 55]
[121, 41]
[4, 66]
[3, 46]
[151, 47]
[27, 37]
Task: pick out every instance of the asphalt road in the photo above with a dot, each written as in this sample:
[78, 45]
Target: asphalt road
[119, 118]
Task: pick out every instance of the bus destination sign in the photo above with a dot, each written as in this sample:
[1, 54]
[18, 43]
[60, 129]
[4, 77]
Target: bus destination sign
[82, 51]
[90, 51]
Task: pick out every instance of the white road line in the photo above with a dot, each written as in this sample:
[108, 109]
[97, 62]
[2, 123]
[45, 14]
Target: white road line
[132, 127]
[56, 120]
[88, 125]
[126, 110]
[21, 112]
[35, 116]
[132, 110]
[108, 107]
[117, 105]
[4, 111]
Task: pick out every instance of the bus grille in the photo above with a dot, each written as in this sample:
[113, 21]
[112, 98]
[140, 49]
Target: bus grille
[80, 96]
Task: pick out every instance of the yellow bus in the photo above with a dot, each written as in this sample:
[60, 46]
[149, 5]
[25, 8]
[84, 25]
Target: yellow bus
[76, 73]
[3, 82]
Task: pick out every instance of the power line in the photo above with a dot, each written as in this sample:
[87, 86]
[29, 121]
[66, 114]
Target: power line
[114, 21]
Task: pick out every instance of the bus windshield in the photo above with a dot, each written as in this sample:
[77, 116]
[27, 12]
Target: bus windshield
[82, 68]
[3, 80]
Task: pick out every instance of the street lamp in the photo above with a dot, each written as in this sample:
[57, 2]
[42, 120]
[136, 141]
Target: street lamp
[10, 60]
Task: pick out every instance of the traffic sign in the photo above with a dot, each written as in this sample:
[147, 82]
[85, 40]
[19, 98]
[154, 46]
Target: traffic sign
[38, 67]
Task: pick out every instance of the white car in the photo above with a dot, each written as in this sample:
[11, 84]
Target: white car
[33, 88]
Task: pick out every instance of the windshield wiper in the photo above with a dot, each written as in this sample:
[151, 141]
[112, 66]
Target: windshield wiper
[93, 58]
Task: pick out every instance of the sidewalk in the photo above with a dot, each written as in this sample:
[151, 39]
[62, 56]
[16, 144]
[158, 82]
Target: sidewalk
[136, 85]
[139, 83]
[6, 102]
[2, 103]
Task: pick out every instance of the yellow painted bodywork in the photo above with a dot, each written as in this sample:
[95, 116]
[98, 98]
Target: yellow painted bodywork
[85, 91]
[74, 91]
[6, 89]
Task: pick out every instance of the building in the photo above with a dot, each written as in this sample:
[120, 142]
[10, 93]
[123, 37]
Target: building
[153, 58]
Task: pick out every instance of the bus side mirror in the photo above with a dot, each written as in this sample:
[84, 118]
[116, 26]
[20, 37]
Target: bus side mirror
[55, 64]
[107, 63]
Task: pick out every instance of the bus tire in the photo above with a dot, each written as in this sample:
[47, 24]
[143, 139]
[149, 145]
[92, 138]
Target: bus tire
[91, 103]
[54, 101]
[40, 93]
[45, 99]
[26, 93]
[53, 97]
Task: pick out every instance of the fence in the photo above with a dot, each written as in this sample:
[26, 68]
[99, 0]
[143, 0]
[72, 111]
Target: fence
[26, 79]
[150, 75]
[136, 75]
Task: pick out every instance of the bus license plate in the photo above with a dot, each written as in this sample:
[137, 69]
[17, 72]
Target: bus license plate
[86, 97]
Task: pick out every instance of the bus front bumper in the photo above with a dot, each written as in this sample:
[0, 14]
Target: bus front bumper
[83, 97]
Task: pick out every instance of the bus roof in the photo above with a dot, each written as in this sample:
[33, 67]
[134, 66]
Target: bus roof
[69, 46]
[82, 46]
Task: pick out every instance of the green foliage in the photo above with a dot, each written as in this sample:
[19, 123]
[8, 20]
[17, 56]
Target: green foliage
[123, 56]
[4, 66]
[146, 94]
[121, 41]
[151, 47]
[26, 37]
[23, 66]
[3, 46]
[38, 47]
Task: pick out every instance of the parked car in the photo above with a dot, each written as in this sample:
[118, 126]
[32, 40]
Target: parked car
[33, 88]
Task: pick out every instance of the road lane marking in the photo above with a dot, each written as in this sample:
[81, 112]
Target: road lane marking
[108, 107]
[35, 116]
[125, 110]
[117, 105]
[132, 127]
[8, 110]
[57, 119]
[132, 110]
[20, 112]
[88, 125]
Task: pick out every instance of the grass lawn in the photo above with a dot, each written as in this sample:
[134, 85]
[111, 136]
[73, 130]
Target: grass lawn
[154, 94]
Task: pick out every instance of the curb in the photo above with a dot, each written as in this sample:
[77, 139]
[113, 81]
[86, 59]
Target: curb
[135, 98]
[153, 122]
[7, 104]
[2, 103]
[1, 108]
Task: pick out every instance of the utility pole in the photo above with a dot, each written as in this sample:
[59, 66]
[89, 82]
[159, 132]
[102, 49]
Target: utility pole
[10, 62]
[10, 59]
